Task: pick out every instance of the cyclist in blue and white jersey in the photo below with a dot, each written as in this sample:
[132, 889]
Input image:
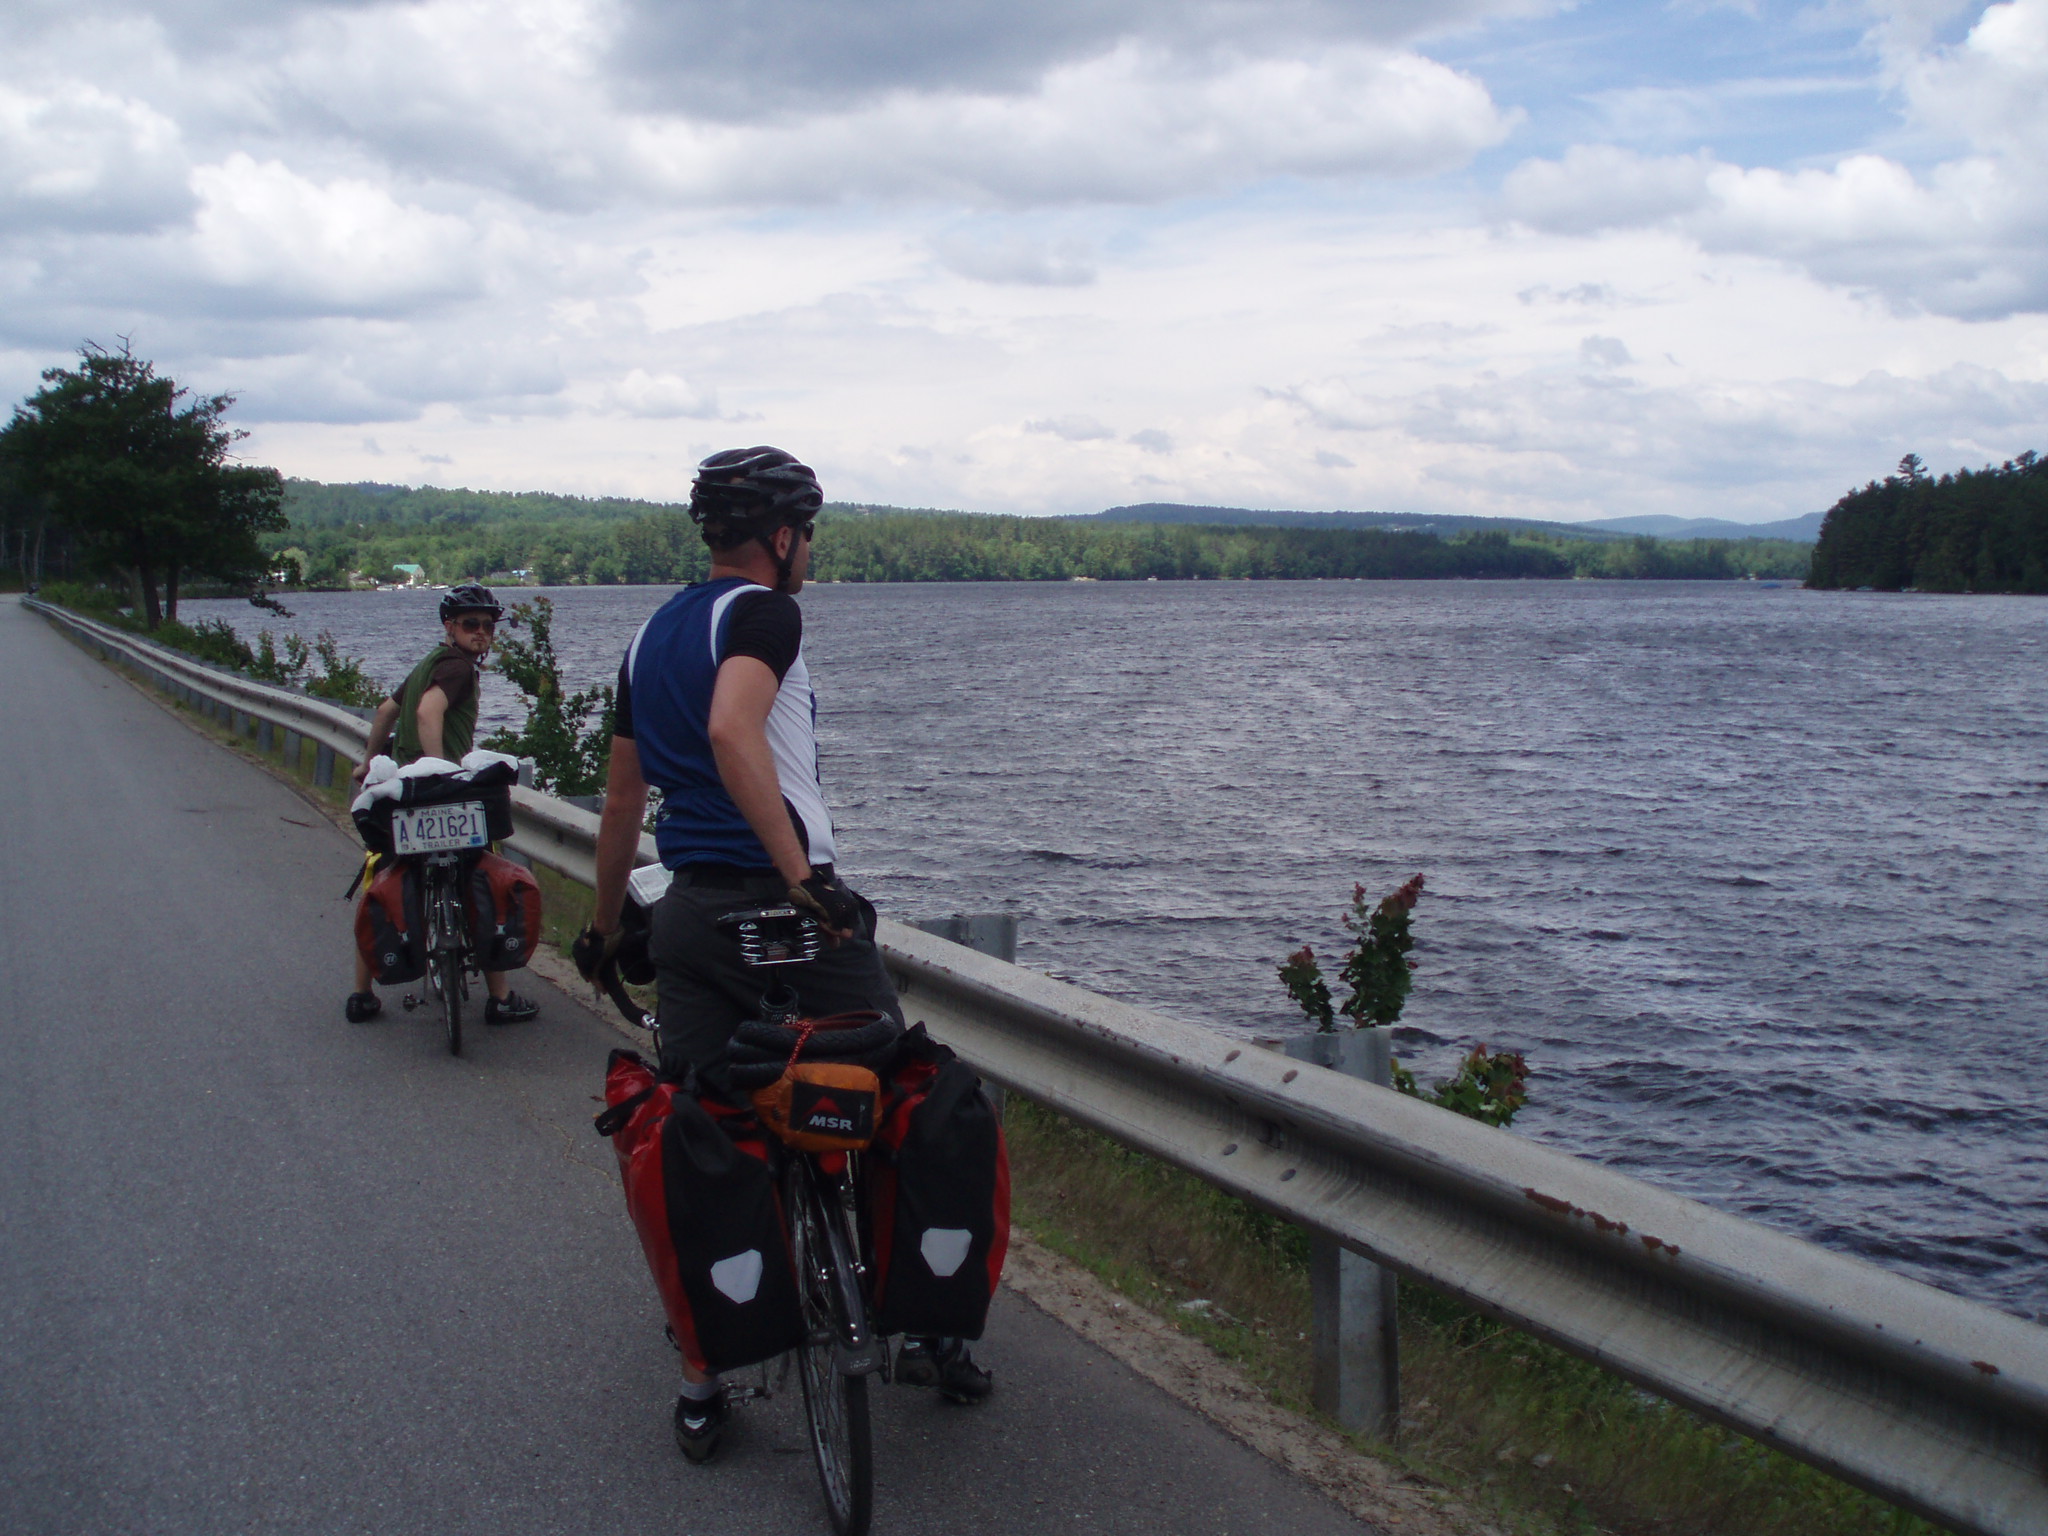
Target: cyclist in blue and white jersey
[716, 710]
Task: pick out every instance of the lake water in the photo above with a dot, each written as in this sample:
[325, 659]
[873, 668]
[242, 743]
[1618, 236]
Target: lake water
[1755, 877]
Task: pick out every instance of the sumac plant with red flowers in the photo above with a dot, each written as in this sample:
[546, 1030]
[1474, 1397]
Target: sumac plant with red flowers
[1490, 1085]
[1378, 970]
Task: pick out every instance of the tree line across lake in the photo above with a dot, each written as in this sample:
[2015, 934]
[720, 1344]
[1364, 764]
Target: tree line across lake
[345, 533]
[1972, 531]
[114, 473]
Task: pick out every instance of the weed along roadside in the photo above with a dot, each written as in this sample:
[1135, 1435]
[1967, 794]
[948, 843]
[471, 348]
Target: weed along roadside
[1536, 1439]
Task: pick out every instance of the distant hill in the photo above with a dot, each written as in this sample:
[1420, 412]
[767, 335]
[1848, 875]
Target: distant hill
[1392, 522]
[1800, 529]
[1803, 530]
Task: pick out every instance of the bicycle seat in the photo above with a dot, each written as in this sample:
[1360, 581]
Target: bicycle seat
[774, 935]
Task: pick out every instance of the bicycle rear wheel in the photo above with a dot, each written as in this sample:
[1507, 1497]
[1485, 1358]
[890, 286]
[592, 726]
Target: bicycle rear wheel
[445, 959]
[450, 984]
[835, 1403]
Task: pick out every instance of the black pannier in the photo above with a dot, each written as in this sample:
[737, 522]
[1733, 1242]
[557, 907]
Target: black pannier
[700, 1186]
[390, 933]
[939, 1186]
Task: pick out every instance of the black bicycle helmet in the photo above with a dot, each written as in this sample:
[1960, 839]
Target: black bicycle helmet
[470, 598]
[748, 493]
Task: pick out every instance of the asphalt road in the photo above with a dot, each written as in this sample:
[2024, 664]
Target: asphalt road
[264, 1270]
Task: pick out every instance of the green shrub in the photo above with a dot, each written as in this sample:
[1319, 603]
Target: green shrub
[211, 640]
[92, 600]
[571, 752]
[342, 678]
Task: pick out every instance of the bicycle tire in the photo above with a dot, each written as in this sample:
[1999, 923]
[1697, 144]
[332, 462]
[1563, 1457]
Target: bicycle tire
[446, 960]
[835, 1404]
[451, 1001]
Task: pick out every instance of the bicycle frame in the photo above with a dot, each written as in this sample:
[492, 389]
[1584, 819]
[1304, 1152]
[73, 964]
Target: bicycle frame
[451, 958]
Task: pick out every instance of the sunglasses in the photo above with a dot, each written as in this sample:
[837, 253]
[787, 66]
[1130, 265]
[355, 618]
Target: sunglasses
[472, 624]
[807, 529]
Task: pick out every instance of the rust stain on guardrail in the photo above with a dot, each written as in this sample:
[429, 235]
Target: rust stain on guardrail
[1600, 1223]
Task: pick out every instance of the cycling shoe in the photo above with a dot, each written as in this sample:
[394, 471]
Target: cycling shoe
[699, 1425]
[362, 1007]
[945, 1364]
[510, 1009]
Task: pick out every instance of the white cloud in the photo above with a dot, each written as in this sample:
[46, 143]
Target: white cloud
[662, 395]
[1962, 238]
[280, 239]
[1604, 352]
[1072, 429]
[1561, 444]
[1601, 186]
[1017, 258]
[1992, 88]
[85, 159]
[1134, 125]
[764, 60]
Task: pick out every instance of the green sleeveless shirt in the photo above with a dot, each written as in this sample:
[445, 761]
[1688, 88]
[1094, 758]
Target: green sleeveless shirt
[458, 726]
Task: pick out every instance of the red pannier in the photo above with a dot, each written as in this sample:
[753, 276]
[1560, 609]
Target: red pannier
[700, 1188]
[504, 912]
[390, 933]
[939, 1187]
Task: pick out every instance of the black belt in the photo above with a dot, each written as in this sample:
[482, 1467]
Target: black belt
[733, 877]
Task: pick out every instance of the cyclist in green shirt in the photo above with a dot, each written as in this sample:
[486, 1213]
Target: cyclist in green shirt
[433, 714]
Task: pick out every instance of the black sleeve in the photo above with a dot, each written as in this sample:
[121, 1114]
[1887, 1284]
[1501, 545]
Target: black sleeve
[767, 626]
[622, 706]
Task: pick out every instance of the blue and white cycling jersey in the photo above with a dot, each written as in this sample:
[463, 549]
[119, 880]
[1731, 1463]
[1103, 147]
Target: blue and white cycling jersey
[665, 693]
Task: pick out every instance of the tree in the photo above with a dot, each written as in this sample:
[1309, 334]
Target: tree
[139, 473]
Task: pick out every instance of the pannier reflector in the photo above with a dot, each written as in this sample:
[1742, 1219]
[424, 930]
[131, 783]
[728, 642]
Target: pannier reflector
[945, 1248]
[739, 1277]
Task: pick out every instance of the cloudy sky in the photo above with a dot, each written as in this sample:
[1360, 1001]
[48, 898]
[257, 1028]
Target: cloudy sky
[1486, 256]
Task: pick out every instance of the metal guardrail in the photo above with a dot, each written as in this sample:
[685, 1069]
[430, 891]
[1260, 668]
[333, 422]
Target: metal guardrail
[546, 830]
[1933, 1402]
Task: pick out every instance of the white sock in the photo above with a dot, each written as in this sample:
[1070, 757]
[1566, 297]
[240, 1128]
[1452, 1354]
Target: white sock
[701, 1391]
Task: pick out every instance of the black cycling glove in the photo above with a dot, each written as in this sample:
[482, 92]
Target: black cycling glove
[830, 901]
[592, 949]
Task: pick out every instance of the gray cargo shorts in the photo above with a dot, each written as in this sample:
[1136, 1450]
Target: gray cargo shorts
[705, 993]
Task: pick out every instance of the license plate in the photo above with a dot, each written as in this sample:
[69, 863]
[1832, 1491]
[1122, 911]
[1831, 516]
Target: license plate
[437, 828]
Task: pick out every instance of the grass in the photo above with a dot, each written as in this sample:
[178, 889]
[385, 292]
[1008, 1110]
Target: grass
[1537, 1438]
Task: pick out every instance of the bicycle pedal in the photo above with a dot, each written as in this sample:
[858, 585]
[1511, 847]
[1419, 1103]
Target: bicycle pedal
[746, 1394]
[409, 1002]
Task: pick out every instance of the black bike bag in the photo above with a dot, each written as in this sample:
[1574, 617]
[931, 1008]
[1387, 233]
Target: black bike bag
[700, 1188]
[939, 1186]
[504, 912]
[390, 931]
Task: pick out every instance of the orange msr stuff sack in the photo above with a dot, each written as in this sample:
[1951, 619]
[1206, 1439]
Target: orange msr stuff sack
[821, 1106]
[813, 1081]
[390, 933]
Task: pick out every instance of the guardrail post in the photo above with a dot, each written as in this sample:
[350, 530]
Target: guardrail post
[294, 749]
[988, 933]
[323, 766]
[1353, 1301]
[266, 736]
